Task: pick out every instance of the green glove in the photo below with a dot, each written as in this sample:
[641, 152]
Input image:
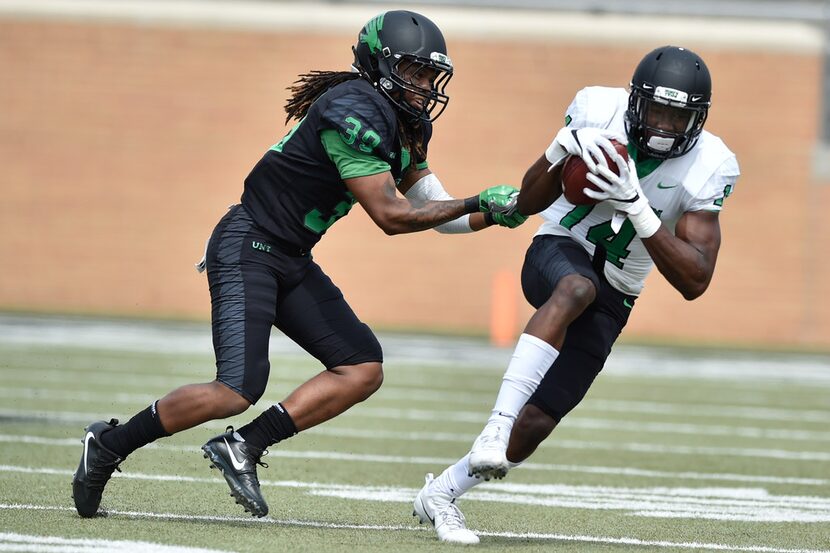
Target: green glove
[509, 221]
[498, 199]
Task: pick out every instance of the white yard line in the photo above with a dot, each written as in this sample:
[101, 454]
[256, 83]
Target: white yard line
[617, 425]
[437, 463]
[469, 356]
[738, 504]
[466, 440]
[577, 421]
[438, 395]
[57, 544]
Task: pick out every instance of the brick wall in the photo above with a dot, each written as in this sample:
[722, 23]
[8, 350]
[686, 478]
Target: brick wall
[122, 145]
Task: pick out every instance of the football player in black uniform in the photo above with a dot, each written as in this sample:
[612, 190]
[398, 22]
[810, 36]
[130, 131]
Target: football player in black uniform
[360, 136]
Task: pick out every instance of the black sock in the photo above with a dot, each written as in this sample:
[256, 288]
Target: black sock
[272, 426]
[143, 428]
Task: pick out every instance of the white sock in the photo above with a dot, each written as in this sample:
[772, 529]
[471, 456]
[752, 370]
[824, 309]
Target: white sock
[530, 362]
[454, 481]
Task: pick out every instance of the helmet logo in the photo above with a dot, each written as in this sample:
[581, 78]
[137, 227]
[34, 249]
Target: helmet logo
[438, 57]
[370, 34]
[671, 94]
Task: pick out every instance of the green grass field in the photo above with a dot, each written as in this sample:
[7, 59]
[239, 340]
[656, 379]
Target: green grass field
[670, 452]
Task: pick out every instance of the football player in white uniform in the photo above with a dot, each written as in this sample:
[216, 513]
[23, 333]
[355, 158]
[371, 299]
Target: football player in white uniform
[587, 263]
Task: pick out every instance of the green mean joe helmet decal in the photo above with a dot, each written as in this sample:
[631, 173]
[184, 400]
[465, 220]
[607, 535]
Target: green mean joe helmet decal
[370, 37]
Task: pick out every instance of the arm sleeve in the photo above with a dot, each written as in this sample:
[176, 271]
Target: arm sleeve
[429, 188]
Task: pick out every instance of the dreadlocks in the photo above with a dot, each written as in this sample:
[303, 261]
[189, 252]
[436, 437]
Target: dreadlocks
[310, 86]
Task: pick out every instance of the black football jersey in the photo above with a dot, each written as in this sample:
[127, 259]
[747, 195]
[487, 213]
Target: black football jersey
[295, 191]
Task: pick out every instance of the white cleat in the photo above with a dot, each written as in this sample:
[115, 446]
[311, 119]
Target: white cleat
[442, 512]
[488, 457]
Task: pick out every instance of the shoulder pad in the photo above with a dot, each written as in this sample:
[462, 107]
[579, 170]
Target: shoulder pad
[709, 162]
[364, 119]
[598, 107]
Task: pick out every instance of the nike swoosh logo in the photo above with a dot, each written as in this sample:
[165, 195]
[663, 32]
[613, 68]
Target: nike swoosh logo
[89, 436]
[662, 186]
[238, 465]
[424, 507]
[628, 305]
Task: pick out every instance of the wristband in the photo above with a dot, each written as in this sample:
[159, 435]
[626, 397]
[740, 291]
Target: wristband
[646, 222]
[471, 205]
[488, 219]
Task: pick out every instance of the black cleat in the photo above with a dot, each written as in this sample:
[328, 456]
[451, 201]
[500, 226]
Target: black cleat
[95, 469]
[237, 461]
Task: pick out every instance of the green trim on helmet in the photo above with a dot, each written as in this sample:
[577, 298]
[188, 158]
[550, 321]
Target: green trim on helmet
[370, 37]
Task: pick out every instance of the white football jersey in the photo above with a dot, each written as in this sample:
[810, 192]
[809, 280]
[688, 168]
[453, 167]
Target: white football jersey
[700, 180]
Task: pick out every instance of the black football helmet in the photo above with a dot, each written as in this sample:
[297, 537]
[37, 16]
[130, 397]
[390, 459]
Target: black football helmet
[393, 49]
[675, 82]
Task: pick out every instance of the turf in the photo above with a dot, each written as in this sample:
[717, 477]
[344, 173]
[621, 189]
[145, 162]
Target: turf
[689, 460]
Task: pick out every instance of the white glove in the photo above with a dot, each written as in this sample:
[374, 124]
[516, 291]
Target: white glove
[586, 143]
[625, 195]
[622, 191]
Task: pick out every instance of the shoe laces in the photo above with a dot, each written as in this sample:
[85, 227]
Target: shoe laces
[257, 459]
[452, 517]
[99, 474]
[492, 435]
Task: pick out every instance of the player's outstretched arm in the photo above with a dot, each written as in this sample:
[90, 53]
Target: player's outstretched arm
[396, 215]
[541, 186]
[687, 258]
[419, 185]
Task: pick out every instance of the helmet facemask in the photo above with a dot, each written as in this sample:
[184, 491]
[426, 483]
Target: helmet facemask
[663, 122]
[417, 85]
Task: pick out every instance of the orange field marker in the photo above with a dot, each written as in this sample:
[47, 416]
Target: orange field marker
[503, 309]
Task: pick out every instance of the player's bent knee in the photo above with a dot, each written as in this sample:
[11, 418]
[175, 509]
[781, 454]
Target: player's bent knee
[372, 377]
[228, 402]
[239, 405]
[577, 290]
[365, 378]
[533, 425]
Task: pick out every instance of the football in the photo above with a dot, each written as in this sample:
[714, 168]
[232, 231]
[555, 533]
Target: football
[573, 176]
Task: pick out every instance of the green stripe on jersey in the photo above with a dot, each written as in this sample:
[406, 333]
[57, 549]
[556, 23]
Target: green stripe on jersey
[349, 162]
